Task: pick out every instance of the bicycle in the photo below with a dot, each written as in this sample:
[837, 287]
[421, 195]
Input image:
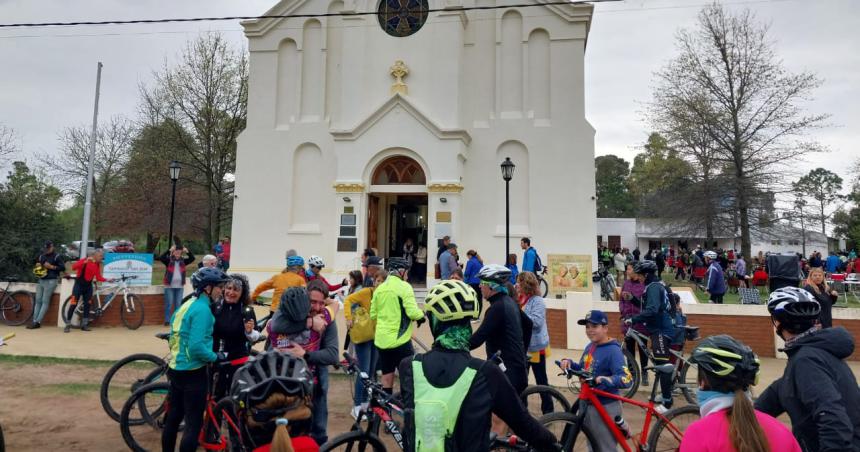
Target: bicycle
[134, 371]
[131, 313]
[542, 283]
[679, 372]
[3, 341]
[16, 306]
[607, 282]
[153, 404]
[665, 435]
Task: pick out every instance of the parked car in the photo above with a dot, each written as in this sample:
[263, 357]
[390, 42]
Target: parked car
[118, 246]
[74, 248]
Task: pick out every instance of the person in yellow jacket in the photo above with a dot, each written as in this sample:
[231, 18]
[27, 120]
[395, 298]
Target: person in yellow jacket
[394, 308]
[356, 309]
[292, 276]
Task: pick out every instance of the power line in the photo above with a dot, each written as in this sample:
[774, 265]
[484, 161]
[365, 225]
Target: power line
[286, 16]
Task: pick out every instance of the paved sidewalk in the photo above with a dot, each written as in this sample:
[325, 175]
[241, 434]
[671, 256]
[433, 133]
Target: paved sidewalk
[113, 343]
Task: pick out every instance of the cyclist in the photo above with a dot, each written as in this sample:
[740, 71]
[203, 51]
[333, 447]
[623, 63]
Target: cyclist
[291, 276]
[191, 351]
[315, 266]
[655, 317]
[88, 271]
[727, 369]
[818, 390]
[603, 358]
[447, 382]
[233, 332]
[393, 307]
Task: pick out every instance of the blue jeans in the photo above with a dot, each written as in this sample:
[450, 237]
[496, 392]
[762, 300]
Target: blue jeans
[319, 412]
[366, 353]
[172, 300]
[44, 291]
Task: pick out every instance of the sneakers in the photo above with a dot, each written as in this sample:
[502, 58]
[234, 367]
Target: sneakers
[356, 410]
[34, 326]
[67, 328]
[85, 325]
[662, 409]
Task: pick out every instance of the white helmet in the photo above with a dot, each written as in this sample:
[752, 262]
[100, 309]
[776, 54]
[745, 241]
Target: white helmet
[316, 261]
[495, 273]
[710, 254]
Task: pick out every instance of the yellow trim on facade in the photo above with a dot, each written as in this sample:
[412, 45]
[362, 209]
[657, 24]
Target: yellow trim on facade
[348, 188]
[444, 188]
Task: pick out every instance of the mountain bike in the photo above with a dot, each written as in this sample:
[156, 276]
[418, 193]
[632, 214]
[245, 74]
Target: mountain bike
[132, 305]
[16, 306]
[542, 283]
[664, 435]
[607, 283]
[680, 380]
[220, 430]
[3, 341]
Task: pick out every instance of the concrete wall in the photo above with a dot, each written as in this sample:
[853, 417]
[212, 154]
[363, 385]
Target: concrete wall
[623, 227]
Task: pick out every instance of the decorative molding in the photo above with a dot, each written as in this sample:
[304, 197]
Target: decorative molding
[394, 102]
[444, 188]
[347, 187]
[398, 71]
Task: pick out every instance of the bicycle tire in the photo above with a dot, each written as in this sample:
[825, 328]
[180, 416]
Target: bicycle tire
[134, 319]
[669, 443]
[17, 307]
[356, 440]
[64, 312]
[149, 432]
[569, 439]
[159, 365]
[688, 387]
[560, 402]
[544, 286]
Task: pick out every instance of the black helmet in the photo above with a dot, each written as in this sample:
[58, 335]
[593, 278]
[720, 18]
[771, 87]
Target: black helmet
[724, 358]
[292, 314]
[644, 267]
[397, 263]
[268, 373]
[207, 276]
[796, 309]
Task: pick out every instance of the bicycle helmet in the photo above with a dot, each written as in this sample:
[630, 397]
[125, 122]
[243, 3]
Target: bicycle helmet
[710, 254]
[295, 261]
[796, 309]
[207, 276]
[397, 263]
[727, 359]
[316, 261]
[495, 273]
[269, 372]
[452, 300]
[643, 267]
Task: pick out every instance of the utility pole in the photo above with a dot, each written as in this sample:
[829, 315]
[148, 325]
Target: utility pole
[88, 200]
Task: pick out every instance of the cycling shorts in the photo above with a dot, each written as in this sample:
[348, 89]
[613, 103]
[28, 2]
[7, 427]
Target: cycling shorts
[390, 358]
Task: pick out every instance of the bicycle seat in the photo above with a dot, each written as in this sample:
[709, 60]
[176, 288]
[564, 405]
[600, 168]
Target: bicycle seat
[163, 336]
[665, 368]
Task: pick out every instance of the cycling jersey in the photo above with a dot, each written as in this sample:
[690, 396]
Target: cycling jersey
[393, 307]
[507, 329]
[191, 335]
[280, 283]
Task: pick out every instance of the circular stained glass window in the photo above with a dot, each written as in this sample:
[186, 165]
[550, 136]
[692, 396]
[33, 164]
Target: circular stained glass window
[401, 18]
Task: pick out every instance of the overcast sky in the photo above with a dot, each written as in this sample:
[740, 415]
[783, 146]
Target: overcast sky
[48, 74]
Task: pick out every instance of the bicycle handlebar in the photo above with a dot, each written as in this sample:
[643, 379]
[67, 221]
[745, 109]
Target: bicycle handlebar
[570, 373]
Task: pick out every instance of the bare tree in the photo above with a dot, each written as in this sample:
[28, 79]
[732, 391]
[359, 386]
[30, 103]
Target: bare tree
[728, 78]
[204, 99]
[8, 146]
[68, 170]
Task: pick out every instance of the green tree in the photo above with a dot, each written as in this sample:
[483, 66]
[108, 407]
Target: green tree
[613, 198]
[29, 207]
[659, 169]
[823, 186]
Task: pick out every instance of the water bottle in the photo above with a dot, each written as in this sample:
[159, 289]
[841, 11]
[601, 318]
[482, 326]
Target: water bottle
[622, 426]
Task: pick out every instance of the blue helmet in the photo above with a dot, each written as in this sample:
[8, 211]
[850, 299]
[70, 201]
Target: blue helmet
[295, 261]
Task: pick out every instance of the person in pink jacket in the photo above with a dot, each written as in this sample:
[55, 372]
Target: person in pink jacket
[730, 423]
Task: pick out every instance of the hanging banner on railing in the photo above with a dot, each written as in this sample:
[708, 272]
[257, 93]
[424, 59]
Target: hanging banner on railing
[129, 264]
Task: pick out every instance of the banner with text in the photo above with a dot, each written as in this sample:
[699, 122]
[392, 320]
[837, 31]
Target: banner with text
[129, 264]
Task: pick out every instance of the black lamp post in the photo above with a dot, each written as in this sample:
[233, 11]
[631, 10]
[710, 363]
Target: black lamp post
[174, 176]
[507, 174]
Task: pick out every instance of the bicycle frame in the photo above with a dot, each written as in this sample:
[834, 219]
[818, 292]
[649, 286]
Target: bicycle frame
[638, 337]
[588, 395]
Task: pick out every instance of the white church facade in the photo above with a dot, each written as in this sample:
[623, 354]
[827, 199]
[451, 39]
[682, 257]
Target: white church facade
[364, 131]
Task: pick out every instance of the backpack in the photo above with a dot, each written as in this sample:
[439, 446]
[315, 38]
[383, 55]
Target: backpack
[363, 328]
[538, 262]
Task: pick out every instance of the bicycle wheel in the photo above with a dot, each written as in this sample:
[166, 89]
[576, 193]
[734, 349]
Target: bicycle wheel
[354, 441]
[569, 431]
[125, 377]
[64, 312]
[544, 286]
[688, 385]
[17, 307]
[223, 432]
[532, 397]
[150, 403]
[132, 312]
[661, 438]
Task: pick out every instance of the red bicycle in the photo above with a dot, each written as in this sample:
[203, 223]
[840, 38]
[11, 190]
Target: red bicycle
[664, 435]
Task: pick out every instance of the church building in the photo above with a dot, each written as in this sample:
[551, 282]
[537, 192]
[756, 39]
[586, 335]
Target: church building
[374, 122]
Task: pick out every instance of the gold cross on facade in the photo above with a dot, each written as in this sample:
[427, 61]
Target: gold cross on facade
[398, 71]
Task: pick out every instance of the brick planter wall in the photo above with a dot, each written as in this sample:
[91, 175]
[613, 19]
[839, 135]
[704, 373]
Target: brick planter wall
[153, 313]
[755, 331]
[556, 322]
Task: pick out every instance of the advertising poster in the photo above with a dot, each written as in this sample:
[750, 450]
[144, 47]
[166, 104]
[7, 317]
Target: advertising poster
[129, 264]
[569, 272]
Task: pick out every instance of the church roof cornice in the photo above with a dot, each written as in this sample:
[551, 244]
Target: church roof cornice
[395, 101]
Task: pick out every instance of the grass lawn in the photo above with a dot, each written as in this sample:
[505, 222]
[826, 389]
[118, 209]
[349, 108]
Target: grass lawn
[734, 298]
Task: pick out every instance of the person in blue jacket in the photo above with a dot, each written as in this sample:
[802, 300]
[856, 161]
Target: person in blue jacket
[191, 351]
[716, 281]
[530, 256]
[605, 360]
[831, 265]
[470, 276]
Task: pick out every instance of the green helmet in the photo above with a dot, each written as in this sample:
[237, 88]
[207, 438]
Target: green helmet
[452, 300]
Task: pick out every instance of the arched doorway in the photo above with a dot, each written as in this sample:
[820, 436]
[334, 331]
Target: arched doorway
[398, 211]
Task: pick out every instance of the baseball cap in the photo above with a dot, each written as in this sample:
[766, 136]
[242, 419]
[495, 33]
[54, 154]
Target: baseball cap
[373, 260]
[596, 317]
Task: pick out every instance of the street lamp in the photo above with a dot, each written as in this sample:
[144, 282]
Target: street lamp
[507, 174]
[174, 176]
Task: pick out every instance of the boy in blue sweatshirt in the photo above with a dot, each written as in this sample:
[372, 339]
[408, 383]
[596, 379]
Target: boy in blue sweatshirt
[603, 357]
